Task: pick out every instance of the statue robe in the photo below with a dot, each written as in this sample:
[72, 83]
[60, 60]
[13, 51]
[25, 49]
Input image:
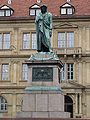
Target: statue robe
[44, 31]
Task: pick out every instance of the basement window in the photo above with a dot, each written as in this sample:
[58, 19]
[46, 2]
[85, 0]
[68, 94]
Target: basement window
[6, 11]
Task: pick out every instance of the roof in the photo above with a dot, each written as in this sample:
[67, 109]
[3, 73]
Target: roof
[21, 7]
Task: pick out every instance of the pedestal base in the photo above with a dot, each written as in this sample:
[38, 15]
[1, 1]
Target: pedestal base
[43, 102]
[43, 115]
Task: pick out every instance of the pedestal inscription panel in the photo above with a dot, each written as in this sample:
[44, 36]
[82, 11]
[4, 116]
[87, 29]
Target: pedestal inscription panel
[42, 74]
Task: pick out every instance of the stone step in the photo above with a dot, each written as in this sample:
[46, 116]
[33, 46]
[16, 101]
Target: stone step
[44, 119]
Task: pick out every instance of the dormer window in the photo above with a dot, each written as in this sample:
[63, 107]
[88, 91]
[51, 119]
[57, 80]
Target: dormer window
[34, 10]
[6, 11]
[67, 9]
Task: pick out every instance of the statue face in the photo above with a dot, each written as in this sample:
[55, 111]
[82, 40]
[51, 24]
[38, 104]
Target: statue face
[43, 9]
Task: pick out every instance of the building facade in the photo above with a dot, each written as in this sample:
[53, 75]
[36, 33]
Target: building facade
[70, 41]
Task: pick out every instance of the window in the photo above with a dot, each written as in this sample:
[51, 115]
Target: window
[34, 10]
[33, 39]
[6, 11]
[1, 12]
[62, 73]
[4, 40]
[24, 72]
[3, 104]
[61, 40]
[5, 71]
[67, 9]
[29, 40]
[26, 41]
[65, 39]
[38, 11]
[68, 105]
[70, 71]
[70, 39]
[63, 11]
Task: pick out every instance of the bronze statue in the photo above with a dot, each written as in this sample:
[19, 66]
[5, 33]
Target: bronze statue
[44, 30]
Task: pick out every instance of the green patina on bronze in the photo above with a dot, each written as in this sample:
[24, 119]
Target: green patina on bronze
[52, 56]
[41, 88]
[42, 74]
[44, 30]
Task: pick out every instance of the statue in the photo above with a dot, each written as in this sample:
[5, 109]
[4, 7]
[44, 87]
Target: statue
[44, 30]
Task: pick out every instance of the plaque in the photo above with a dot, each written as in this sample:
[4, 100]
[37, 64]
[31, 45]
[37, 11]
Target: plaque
[42, 74]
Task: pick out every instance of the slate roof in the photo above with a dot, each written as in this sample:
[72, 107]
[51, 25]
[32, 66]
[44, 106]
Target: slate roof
[21, 7]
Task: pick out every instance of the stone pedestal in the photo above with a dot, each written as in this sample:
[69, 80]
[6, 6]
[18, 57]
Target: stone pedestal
[43, 96]
[44, 69]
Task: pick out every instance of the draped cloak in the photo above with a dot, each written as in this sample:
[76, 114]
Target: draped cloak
[43, 30]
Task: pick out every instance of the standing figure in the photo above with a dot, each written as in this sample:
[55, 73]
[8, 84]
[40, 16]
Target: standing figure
[44, 30]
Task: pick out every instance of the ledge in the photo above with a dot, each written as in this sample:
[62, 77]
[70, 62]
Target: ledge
[41, 88]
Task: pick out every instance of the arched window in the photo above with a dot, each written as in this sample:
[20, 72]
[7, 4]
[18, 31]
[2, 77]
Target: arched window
[68, 105]
[3, 104]
[6, 11]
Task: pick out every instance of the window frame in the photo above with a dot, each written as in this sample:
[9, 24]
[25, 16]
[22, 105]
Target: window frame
[65, 41]
[67, 7]
[66, 10]
[70, 71]
[30, 41]
[24, 72]
[35, 9]
[5, 72]
[66, 72]
[61, 41]
[5, 104]
[69, 40]
[11, 12]
[24, 33]
[2, 40]
[34, 41]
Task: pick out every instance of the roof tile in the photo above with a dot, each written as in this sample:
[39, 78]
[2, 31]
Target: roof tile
[21, 7]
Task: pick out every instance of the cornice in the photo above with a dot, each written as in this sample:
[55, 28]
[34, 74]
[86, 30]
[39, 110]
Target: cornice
[65, 25]
[71, 85]
[12, 86]
[30, 19]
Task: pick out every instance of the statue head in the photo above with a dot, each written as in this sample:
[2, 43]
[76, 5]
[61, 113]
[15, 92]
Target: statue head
[43, 9]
